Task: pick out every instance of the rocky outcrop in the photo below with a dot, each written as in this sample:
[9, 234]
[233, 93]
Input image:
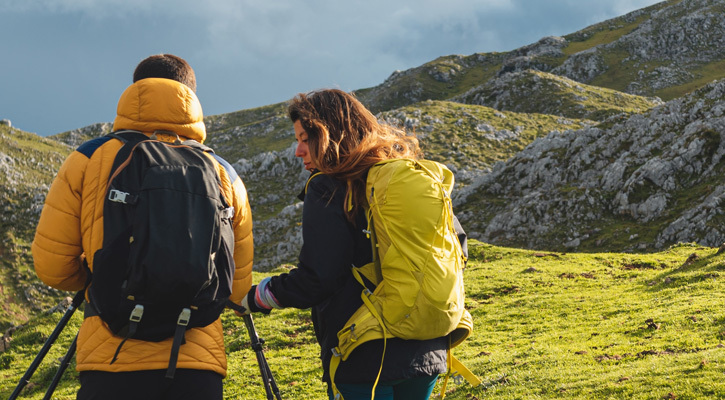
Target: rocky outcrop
[536, 56]
[273, 180]
[663, 51]
[643, 183]
[76, 137]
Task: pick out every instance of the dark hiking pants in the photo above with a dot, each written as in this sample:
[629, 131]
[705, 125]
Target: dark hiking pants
[187, 384]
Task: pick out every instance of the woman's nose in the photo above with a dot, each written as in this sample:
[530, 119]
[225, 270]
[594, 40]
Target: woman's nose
[300, 151]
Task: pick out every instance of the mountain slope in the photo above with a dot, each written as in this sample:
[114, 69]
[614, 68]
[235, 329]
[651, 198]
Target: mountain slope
[675, 49]
[640, 184]
[28, 164]
[469, 139]
[665, 50]
[593, 176]
[539, 92]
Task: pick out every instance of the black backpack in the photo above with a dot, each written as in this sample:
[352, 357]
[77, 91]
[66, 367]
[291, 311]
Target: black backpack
[167, 263]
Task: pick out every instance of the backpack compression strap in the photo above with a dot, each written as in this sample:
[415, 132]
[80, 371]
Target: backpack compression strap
[457, 370]
[181, 324]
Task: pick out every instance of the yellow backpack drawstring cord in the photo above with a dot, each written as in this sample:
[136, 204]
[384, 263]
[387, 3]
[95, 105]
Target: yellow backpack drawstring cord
[449, 362]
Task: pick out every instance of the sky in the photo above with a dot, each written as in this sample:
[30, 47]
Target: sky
[65, 63]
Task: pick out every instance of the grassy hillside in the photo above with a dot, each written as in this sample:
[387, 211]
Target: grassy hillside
[246, 133]
[439, 79]
[609, 31]
[28, 164]
[548, 326]
[539, 92]
[474, 137]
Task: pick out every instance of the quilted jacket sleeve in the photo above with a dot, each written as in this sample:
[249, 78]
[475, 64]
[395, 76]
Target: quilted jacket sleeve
[243, 243]
[236, 195]
[57, 246]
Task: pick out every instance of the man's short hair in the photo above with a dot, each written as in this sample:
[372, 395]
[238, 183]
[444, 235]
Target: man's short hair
[166, 66]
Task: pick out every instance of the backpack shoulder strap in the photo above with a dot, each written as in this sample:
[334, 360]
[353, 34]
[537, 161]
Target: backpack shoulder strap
[132, 136]
[128, 135]
[310, 180]
[129, 139]
[196, 145]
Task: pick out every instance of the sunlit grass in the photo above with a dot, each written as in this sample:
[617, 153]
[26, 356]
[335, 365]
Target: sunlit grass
[547, 326]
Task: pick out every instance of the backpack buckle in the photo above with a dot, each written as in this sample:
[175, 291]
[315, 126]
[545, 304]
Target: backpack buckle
[136, 314]
[184, 317]
[227, 213]
[118, 196]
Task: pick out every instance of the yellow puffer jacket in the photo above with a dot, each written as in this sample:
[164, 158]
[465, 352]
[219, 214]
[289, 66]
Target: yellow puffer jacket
[71, 227]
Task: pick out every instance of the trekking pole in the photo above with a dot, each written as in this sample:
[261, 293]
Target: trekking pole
[61, 369]
[270, 386]
[77, 300]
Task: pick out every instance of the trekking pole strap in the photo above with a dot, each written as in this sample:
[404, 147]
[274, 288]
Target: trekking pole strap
[236, 307]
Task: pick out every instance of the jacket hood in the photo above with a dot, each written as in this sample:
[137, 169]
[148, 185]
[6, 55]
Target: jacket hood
[154, 104]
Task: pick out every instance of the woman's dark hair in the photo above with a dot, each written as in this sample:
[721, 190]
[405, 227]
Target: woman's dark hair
[345, 139]
[166, 66]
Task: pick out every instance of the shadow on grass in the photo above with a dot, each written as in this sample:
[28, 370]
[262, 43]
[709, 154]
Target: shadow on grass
[710, 267]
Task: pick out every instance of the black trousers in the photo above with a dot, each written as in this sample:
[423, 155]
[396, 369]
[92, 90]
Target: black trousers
[188, 384]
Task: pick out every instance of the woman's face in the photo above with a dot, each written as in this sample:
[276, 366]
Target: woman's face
[302, 150]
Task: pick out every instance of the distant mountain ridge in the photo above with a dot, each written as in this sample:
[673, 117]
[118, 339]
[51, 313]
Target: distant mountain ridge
[664, 50]
[561, 144]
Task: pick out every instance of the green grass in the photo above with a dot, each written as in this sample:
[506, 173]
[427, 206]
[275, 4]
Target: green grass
[540, 92]
[601, 325]
[246, 116]
[421, 83]
[601, 34]
[704, 74]
[618, 78]
[609, 31]
[35, 159]
[547, 326]
[24, 180]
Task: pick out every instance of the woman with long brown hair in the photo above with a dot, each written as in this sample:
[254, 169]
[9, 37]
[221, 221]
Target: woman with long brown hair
[340, 138]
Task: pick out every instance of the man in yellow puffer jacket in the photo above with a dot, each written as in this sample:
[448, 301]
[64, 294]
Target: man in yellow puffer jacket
[162, 98]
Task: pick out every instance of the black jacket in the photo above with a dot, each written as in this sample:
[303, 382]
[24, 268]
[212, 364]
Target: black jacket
[323, 281]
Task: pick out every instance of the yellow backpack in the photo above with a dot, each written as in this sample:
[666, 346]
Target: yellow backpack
[417, 268]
